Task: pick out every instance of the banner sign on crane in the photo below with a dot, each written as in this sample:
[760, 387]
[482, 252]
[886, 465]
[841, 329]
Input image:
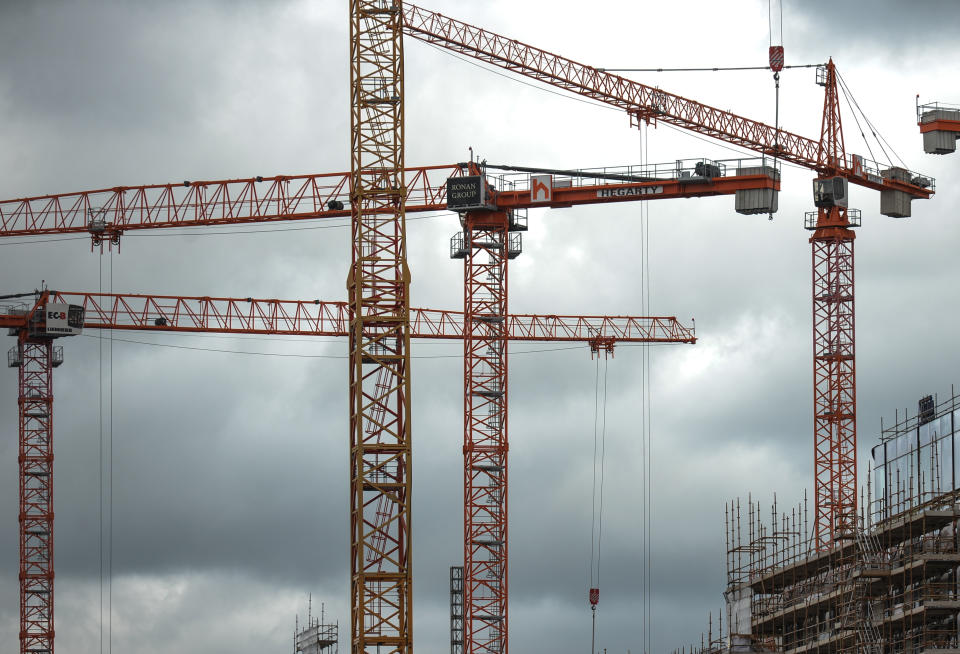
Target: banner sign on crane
[467, 193]
[63, 319]
[630, 191]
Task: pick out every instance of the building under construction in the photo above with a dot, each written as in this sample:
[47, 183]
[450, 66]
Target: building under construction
[891, 586]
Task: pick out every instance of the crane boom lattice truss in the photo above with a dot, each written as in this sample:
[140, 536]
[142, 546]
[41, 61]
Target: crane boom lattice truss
[174, 313]
[109, 212]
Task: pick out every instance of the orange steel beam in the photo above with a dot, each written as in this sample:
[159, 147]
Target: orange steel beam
[221, 202]
[171, 313]
[642, 102]
[305, 197]
[940, 125]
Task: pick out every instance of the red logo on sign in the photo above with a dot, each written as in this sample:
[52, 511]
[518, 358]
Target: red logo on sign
[540, 190]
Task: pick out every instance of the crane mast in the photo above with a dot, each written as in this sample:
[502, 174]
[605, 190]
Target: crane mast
[35, 357]
[35, 382]
[378, 286]
[490, 239]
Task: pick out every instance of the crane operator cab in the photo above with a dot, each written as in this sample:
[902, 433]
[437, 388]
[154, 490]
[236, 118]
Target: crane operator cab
[61, 319]
[830, 192]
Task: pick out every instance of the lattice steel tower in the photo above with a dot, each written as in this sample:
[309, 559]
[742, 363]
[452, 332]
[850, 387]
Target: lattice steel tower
[378, 289]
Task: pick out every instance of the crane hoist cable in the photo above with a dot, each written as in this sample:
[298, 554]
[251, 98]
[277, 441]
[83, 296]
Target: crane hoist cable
[854, 108]
[776, 65]
[596, 526]
[106, 498]
[646, 447]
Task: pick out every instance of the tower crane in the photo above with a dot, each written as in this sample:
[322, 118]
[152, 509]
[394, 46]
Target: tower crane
[834, 373]
[491, 237]
[54, 314]
[492, 207]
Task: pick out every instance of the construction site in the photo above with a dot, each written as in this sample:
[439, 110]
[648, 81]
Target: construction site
[888, 585]
[606, 391]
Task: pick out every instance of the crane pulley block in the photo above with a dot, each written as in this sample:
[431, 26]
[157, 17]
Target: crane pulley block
[594, 597]
[776, 58]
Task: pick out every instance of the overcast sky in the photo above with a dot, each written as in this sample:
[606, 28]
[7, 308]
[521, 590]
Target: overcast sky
[230, 470]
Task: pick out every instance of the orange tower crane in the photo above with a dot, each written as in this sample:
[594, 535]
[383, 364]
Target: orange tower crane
[834, 372]
[54, 314]
[493, 222]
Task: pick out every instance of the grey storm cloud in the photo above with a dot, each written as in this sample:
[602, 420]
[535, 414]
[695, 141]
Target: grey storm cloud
[230, 470]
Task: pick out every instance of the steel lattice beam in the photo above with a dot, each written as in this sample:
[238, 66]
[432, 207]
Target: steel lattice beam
[485, 446]
[305, 197]
[834, 379]
[204, 314]
[379, 313]
[36, 494]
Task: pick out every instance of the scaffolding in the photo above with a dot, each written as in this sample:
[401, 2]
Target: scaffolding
[317, 637]
[456, 609]
[890, 587]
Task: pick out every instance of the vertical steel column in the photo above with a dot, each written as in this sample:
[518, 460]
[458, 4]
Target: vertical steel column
[378, 290]
[456, 609]
[485, 438]
[834, 379]
[36, 495]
